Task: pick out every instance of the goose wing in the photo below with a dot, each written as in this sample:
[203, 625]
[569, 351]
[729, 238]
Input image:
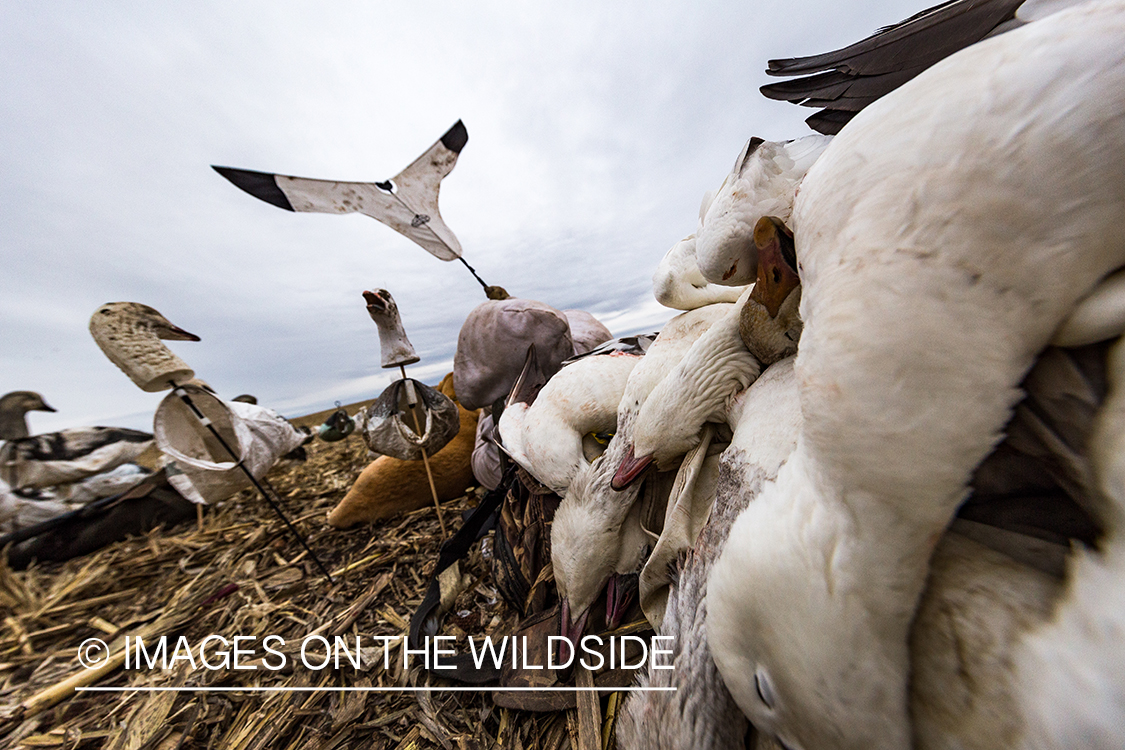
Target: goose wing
[408, 202]
[846, 80]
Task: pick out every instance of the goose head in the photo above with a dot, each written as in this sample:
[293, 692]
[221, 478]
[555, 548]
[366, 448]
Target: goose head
[596, 546]
[13, 409]
[763, 328]
[547, 425]
[794, 633]
[763, 182]
[130, 335]
[395, 346]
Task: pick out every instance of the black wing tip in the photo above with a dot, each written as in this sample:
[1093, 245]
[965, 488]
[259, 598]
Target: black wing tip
[456, 137]
[829, 121]
[261, 185]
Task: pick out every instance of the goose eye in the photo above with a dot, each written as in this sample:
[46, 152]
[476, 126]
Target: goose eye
[765, 690]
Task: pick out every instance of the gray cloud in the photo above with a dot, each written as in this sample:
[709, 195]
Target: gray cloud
[594, 131]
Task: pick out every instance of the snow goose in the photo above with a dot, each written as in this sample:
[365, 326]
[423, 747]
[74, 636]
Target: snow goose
[977, 604]
[923, 234]
[679, 284]
[763, 182]
[543, 431]
[1070, 670]
[765, 420]
[587, 531]
[762, 328]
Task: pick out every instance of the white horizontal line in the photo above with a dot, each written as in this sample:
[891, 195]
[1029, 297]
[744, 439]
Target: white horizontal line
[373, 689]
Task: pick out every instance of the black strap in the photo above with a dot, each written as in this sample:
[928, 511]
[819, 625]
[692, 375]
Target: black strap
[426, 620]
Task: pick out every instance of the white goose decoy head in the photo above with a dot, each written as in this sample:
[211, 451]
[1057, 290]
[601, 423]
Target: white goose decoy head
[763, 182]
[129, 334]
[14, 407]
[395, 347]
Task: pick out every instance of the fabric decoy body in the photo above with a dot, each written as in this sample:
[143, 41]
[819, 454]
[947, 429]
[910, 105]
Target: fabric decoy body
[49, 474]
[389, 485]
[199, 466]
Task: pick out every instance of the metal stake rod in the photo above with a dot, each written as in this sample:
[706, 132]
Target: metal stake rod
[254, 480]
[472, 270]
[411, 401]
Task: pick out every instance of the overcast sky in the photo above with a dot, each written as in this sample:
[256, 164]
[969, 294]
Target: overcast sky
[594, 130]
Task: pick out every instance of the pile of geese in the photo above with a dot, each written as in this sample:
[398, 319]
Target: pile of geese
[872, 478]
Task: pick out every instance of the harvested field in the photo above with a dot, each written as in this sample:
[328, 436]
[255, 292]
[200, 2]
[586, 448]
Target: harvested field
[241, 573]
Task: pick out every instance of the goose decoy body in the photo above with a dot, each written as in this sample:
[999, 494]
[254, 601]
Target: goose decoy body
[202, 468]
[29, 463]
[407, 202]
[923, 234]
[389, 485]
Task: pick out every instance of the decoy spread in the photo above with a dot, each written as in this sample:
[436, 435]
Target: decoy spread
[871, 479]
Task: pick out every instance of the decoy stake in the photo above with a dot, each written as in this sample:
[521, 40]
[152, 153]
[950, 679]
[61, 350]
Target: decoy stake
[411, 402]
[260, 485]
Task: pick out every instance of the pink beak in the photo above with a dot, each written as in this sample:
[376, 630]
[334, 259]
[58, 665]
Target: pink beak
[631, 467]
[571, 630]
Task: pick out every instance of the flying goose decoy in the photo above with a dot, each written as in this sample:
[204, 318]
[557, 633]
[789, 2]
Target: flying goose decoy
[407, 202]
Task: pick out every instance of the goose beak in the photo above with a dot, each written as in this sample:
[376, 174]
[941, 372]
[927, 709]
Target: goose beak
[631, 467]
[170, 332]
[529, 383]
[570, 630]
[378, 303]
[777, 274]
[44, 406]
[619, 594]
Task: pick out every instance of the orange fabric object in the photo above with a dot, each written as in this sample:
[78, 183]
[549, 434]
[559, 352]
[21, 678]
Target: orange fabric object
[389, 485]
